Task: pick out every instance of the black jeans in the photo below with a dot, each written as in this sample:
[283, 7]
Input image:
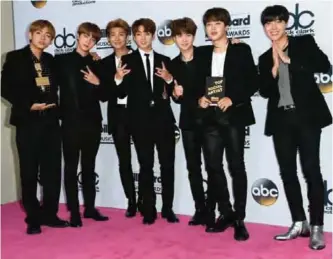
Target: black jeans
[231, 138]
[122, 140]
[290, 137]
[192, 142]
[80, 137]
[39, 149]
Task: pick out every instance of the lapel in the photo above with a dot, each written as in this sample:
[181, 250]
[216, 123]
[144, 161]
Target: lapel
[31, 71]
[227, 61]
[140, 67]
[209, 60]
[111, 64]
[157, 63]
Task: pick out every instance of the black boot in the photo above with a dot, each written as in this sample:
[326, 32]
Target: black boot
[241, 233]
[131, 208]
[198, 218]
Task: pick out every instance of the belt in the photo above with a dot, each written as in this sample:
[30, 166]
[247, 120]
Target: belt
[122, 105]
[290, 107]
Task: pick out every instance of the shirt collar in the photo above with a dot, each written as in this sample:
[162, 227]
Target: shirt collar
[142, 53]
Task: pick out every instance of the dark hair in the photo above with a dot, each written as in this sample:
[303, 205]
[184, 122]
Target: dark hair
[273, 13]
[183, 25]
[148, 25]
[90, 28]
[217, 14]
[118, 23]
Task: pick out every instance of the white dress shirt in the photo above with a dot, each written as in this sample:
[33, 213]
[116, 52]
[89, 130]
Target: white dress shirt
[218, 63]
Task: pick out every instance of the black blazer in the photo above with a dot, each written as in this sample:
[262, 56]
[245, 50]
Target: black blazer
[107, 68]
[189, 100]
[140, 94]
[69, 75]
[241, 80]
[306, 59]
[18, 85]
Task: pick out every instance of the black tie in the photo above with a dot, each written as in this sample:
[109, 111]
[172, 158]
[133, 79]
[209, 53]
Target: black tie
[148, 69]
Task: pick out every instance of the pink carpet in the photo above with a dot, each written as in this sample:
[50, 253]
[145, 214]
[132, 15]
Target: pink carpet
[128, 238]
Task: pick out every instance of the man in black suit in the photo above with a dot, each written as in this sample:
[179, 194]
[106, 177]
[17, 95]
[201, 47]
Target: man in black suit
[296, 113]
[118, 118]
[184, 70]
[224, 124]
[80, 93]
[29, 84]
[151, 117]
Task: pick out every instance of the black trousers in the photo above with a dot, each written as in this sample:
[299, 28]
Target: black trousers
[39, 149]
[291, 137]
[146, 136]
[122, 140]
[192, 143]
[216, 140]
[81, 139]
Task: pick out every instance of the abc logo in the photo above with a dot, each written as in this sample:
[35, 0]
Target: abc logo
[265, 192]
[38, 4]
[79, 178]
[64, 40]
[164, 33]
[324, 81]
[296, 20]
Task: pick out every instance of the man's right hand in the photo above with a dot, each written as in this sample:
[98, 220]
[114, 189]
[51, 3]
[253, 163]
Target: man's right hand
[121, 71]
[41, 106]
[204, 102]
[177, 90]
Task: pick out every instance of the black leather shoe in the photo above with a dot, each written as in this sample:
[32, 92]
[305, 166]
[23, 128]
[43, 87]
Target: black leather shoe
[55, 223]
[75, 221]
[240, 233]
[150, 217]
[131, 209]
[170, 216]
[148, 220]
[210, 222]
[223, 222]
[197, 219]
[95, 215]
[33, 229]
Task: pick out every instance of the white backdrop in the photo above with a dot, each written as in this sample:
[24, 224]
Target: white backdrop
[266, 198]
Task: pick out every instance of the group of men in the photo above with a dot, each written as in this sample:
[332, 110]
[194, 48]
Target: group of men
[138, 85]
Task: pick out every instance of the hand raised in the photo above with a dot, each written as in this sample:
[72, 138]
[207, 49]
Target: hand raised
[90, 77]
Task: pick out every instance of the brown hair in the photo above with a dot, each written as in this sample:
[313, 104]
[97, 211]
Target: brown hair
[217, 14]
[118, 23]
[41, 24]
[183, 25]
[148, 25]
[90, 28]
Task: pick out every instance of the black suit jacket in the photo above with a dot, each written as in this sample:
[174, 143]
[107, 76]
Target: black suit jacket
[69, 76]
[191, 93]
[18, 85]
[306, 59]
[108, 70]
[135, 85]
[241, 80]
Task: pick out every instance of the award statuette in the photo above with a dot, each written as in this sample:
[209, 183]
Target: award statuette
[215, 89]
[43, 83]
